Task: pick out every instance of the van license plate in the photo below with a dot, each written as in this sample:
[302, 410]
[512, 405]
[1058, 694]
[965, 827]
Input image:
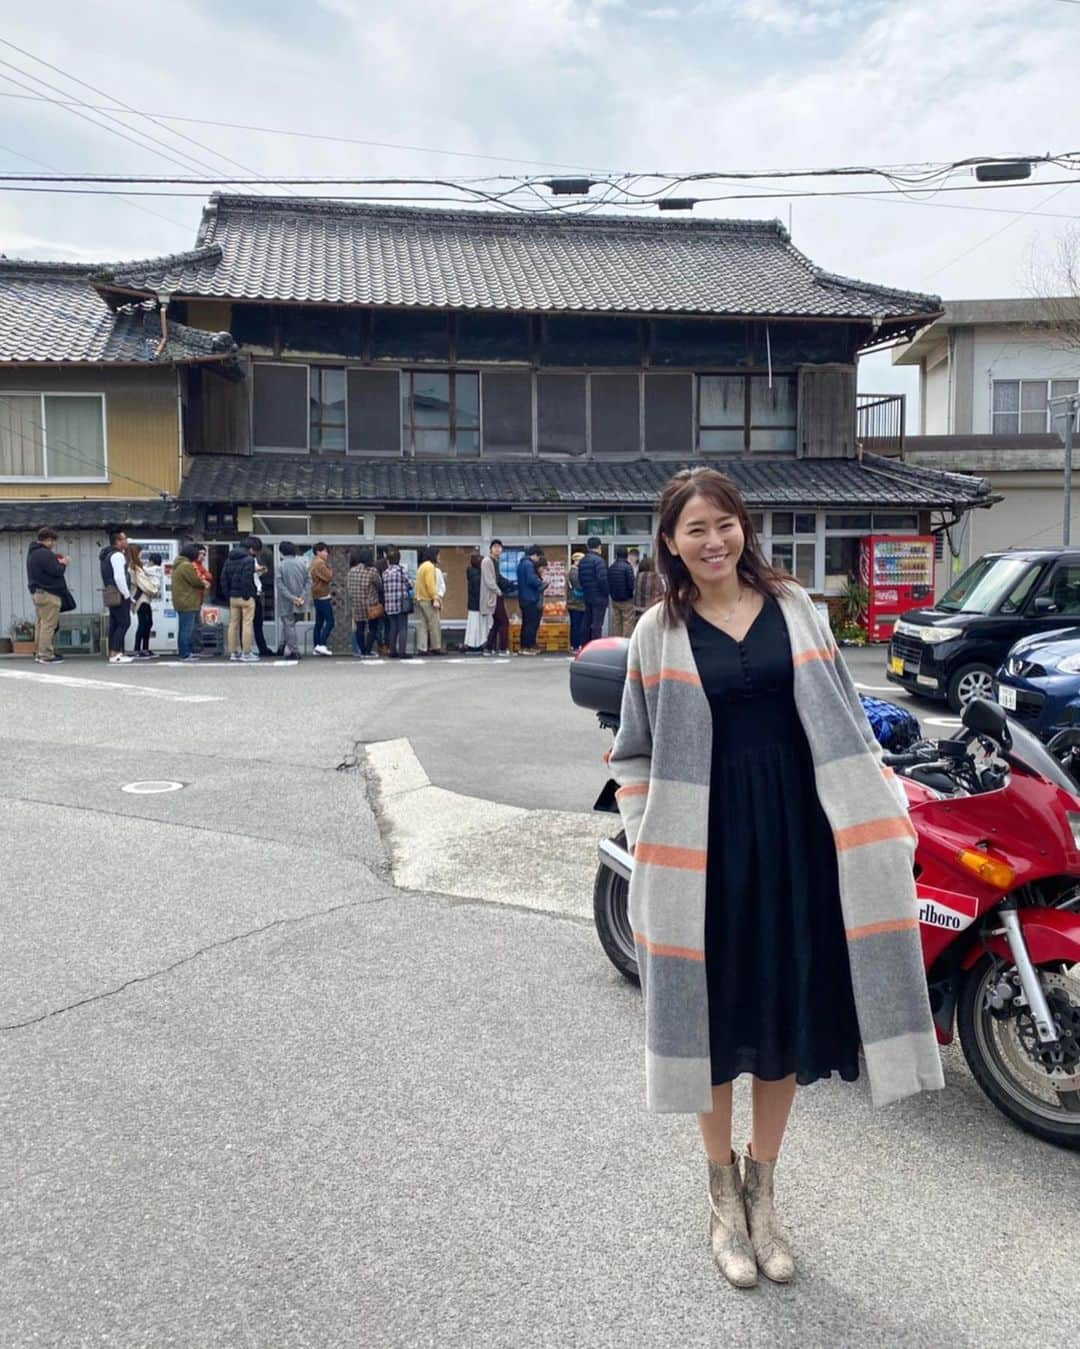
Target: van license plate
[896, 665]
[1007, 697]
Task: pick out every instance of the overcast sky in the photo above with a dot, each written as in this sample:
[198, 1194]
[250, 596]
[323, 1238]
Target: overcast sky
[603, 84]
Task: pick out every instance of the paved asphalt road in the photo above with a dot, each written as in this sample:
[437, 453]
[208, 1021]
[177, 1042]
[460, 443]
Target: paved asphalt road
[252, 1094]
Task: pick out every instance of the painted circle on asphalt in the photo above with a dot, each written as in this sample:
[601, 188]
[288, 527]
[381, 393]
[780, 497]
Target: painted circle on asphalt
[151, 788]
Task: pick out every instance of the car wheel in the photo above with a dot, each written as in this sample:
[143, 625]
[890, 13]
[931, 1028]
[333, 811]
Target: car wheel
[970, 681]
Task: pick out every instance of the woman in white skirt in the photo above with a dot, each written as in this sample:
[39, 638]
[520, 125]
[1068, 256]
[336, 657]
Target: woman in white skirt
[477, 625]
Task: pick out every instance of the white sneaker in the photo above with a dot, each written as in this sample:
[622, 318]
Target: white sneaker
[252, 658]
[321, 650]
[236, 656]
[121, 660]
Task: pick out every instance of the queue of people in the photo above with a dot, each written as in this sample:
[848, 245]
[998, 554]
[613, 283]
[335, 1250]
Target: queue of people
[379, 594]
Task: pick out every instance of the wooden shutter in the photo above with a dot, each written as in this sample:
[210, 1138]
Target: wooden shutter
[826, 412]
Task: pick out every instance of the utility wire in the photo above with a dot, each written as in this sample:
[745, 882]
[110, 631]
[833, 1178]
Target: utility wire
[127, 107]
[340, 140]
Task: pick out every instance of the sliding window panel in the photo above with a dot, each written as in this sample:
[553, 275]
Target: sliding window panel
[279, 406]
[615, 415]
[508, 416]
[669, 414]
[374, 402]
[561, 401]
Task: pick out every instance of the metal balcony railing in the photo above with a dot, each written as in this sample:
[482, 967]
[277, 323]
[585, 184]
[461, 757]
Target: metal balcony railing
[879, 423]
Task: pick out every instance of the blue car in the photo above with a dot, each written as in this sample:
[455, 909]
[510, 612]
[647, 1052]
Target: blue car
[1039, 683]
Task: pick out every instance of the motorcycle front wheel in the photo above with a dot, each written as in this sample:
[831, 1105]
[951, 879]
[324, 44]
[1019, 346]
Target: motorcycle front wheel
[611, 913]
[1002, 1053]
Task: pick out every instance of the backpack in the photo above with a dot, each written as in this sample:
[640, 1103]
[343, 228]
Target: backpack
[894, 727]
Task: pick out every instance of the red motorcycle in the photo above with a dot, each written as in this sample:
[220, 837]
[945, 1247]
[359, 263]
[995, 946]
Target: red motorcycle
[997, 874]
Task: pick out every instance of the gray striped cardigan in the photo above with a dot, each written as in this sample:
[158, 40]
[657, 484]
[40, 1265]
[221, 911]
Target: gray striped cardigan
[662, 760]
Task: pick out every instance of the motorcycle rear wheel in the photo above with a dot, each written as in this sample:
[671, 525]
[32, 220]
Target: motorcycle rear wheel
[611, 913]
[1018, 1086]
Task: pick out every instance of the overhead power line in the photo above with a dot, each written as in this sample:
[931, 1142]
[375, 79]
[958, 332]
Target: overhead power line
[127, 107]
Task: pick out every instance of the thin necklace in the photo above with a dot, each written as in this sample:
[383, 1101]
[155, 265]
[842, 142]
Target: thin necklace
[726, 618]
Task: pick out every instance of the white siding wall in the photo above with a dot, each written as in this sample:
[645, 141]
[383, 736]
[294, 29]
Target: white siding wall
[1008, 352]
[936, 400]
[83, 574]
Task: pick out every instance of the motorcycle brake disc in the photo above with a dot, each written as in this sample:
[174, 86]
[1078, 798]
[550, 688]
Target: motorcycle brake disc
[1020, 1044]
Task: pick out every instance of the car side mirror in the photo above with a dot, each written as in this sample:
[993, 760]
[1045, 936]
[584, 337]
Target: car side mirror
[1044, 605]
[986, 718]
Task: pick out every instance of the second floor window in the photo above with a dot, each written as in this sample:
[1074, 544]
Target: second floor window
[441, 413]
[326, 397]
[744, 412]
[58, 437]
[1022, 406]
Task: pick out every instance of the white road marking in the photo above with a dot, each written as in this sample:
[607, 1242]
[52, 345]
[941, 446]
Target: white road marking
[138, 690]
[454, 844]
[951, 722]
[877, 688]
[151, 788]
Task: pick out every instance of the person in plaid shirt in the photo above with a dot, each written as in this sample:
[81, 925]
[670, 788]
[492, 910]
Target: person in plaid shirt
[364, 586]
[396, 599]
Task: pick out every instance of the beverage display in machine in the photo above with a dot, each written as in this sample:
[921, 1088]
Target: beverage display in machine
[898, 572]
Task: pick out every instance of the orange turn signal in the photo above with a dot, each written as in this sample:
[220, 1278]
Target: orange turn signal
[988, 869]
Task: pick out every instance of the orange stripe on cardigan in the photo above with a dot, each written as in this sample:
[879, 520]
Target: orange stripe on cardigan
[678, 859]
[873, 831]
[875, 929]
[655, 948]
[632, 789]
[813, 653]
[675, 676]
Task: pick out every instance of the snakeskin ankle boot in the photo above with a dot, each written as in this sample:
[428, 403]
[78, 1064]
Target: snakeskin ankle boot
[771, 1248]
[729, 1240]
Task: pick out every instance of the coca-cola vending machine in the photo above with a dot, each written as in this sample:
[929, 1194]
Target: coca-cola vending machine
[898, 572]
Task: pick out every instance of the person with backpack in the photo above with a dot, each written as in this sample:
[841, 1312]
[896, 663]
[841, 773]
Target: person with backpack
[116, 592]
[46, 578]
[593, 580]
[493, 587]
[237, 586]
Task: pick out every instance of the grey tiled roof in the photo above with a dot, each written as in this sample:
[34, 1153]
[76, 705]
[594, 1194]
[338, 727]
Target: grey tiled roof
[50, 312]
[325, 252]
[355, 481]
[145, 513]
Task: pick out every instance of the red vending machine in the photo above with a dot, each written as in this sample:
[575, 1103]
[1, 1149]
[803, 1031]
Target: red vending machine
[898, 572]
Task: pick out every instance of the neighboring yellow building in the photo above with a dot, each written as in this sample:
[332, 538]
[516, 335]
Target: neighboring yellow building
[90, 421]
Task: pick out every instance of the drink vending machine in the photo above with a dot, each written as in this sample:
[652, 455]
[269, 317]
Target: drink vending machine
[898, 572]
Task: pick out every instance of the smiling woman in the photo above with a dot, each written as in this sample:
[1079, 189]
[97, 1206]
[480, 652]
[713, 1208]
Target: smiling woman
[764, 914]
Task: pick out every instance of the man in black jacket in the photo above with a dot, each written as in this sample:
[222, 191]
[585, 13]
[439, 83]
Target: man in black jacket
[45, 575]
[237, 585]
[593, 580]
[621, 585]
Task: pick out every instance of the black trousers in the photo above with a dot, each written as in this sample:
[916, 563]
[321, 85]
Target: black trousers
[499, 636]
[144, 623]
[397, 633]
[365, 635]
[595, 613]
[257, 628]
[119, 622]
[530, 625]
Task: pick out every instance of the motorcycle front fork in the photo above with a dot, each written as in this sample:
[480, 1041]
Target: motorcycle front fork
[1029, 976]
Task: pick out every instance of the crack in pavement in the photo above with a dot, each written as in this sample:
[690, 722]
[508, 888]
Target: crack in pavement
[183, 824]
[186, 960]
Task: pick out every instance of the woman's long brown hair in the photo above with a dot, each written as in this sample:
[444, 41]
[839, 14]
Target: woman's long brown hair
[754, 570]
[134, 552]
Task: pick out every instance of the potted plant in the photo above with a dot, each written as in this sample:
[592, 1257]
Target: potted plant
[854, 603]
[22, 637]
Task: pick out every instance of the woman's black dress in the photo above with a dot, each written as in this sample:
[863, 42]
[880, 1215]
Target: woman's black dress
[780, 998]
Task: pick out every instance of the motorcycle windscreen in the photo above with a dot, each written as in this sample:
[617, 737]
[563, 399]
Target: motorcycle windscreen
[1032, 754]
